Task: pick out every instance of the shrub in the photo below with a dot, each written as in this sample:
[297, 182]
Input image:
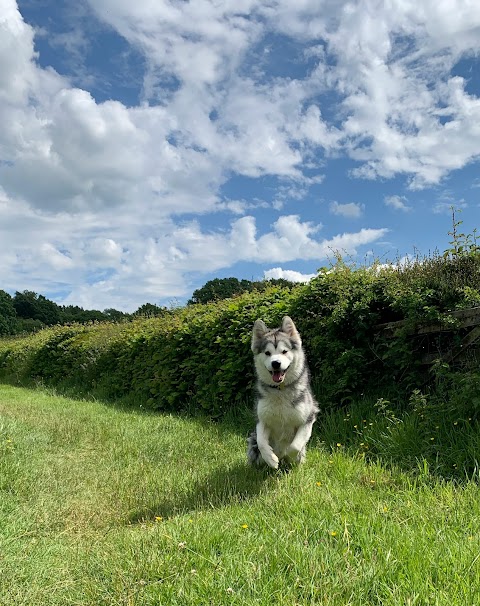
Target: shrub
[200, 355]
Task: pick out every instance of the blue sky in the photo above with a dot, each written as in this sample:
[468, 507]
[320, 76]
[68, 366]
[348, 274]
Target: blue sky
[148, 147]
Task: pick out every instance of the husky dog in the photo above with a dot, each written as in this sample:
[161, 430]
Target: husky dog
[286, 409]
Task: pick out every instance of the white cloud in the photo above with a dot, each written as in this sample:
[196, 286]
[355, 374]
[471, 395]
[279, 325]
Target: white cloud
[448, 206]
[393, 100]
[393, 66]
[352, 210]
[101, 260]
[391, 74]
[349, 243]
[54, 258]
[92, 192]
[397, 203]
[287, 274]
[17, 71]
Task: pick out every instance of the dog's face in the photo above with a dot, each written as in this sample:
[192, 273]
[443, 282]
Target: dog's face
[275, 350]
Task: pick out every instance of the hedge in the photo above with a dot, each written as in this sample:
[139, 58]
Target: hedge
[199, 356]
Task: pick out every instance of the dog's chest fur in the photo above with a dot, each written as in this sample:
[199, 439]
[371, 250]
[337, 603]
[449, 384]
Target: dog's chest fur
[279, 415]
[278, 409]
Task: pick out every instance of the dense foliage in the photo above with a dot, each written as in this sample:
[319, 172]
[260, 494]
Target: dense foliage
[7, 314]
[29, 311]
[225, 288]
[199, 352]
[200, 355]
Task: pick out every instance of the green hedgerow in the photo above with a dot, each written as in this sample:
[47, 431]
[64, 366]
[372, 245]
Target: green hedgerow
[199, 356]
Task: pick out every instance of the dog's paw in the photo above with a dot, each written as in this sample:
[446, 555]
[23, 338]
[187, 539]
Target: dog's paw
[271, 460]
[294, 455]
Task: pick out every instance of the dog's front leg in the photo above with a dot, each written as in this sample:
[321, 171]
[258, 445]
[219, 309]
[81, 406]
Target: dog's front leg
[264, 447]
[296, 450]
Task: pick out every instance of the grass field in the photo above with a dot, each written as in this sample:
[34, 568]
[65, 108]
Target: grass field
[105, 506]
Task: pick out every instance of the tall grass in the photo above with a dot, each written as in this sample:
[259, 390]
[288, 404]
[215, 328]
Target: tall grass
[105, 506]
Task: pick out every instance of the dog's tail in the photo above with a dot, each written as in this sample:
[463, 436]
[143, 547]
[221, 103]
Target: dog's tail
[253, 452]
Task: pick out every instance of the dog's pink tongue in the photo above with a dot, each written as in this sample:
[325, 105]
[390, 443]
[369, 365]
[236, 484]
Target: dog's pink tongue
[277, 376]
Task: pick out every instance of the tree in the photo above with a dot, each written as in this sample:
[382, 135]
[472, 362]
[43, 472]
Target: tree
[113, 315]
[30, 305]
[49, 312]
[262, 285]
[74, 313]
[25, 304]
[8, 315]
[224, 288]
[220, 288]
[150, 310]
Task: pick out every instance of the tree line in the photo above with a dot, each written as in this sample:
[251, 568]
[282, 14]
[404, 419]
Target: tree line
[224, 288]
[28, 311]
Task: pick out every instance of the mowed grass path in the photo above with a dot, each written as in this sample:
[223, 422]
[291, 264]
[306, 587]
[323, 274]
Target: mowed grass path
[100, 505]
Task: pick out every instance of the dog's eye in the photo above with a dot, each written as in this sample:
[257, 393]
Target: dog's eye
[267, 353]
[284, 352]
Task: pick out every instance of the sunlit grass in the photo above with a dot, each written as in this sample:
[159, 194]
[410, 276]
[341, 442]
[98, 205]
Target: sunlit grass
[104, 506]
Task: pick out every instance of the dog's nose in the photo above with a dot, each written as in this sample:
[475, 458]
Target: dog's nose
[275, 364]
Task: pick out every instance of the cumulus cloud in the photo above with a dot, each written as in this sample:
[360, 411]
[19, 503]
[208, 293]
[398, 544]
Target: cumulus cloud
[17, 69]
[101, 261]
[352, 210]
[391, 73]
[100, 187]
[397, 203]
[287, 274]
[400, 110]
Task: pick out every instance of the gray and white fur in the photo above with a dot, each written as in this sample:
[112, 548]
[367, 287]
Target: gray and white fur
[286, 409]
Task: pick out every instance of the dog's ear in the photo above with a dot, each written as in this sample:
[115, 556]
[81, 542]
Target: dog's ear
[289, 328]
[259, 331]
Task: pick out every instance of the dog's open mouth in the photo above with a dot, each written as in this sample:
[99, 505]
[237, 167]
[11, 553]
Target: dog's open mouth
[278, 375]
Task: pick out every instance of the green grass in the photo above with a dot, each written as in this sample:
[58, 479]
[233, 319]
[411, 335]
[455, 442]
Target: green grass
[106, 506]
